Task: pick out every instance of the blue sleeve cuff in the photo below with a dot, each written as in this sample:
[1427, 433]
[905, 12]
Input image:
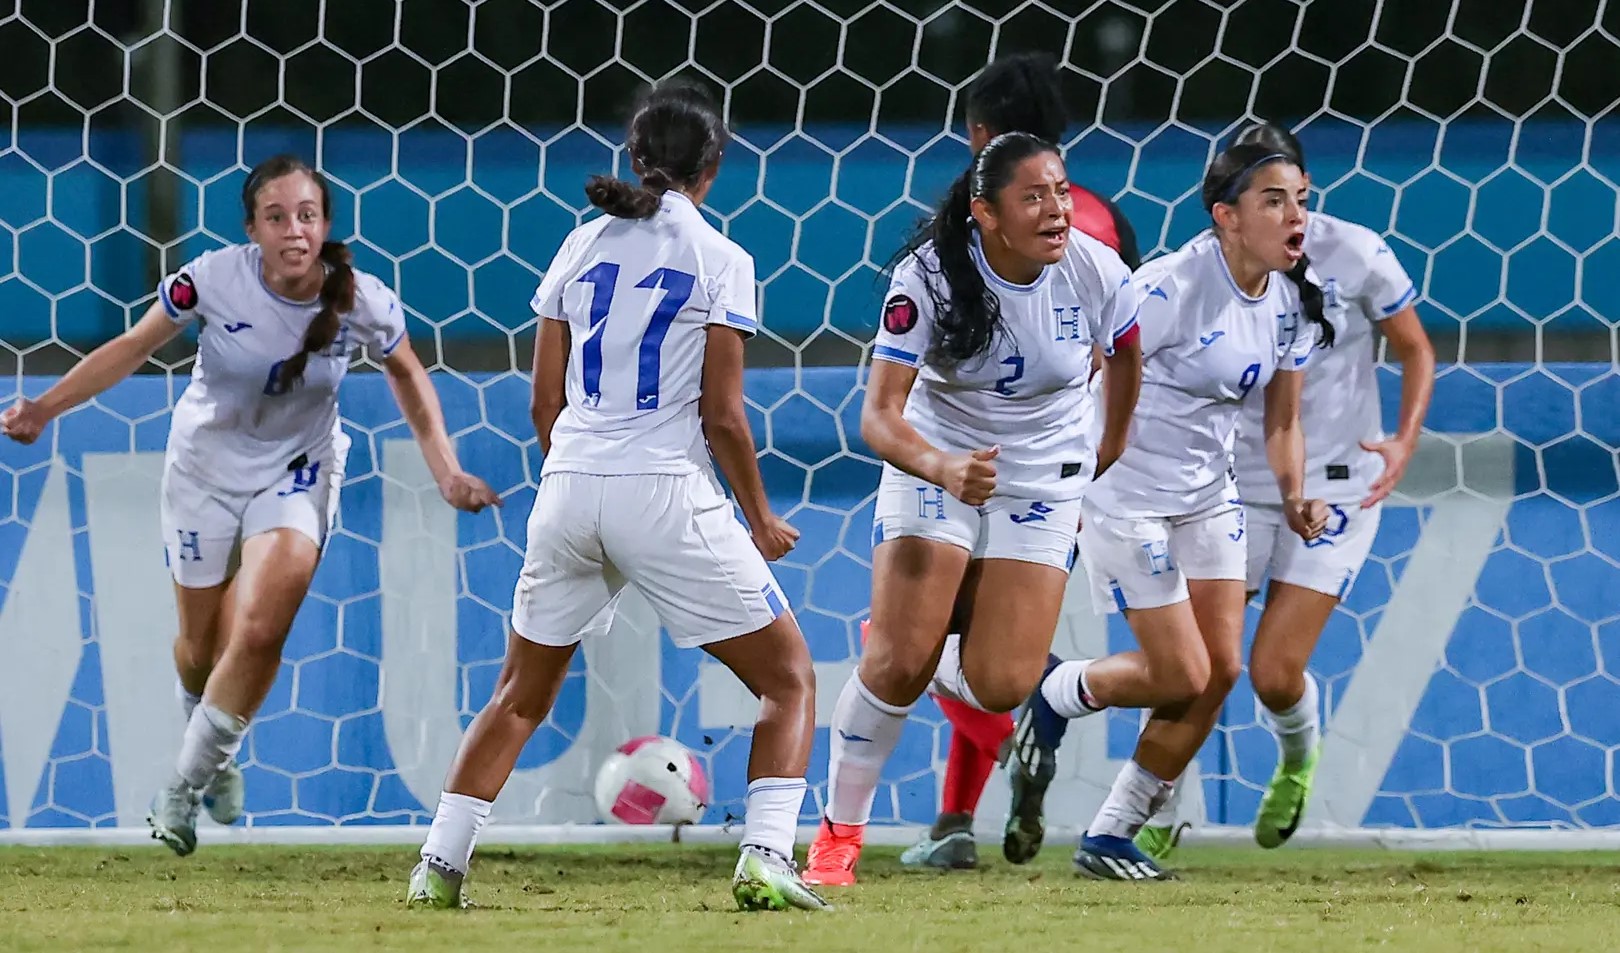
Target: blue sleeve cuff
[894, 355]
[1401, 302]
[741, 322]
[389, 347]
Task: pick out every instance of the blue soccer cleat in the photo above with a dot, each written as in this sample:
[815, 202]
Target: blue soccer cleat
[1106, 857]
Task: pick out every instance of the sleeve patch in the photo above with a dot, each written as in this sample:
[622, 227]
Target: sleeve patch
[182, 292]
[899, 314]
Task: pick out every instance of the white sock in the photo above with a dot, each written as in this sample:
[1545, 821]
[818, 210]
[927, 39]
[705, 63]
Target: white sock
[455, 830]
[1165, 816]
[1135, 796]
[771, 813]
[864, 733]
[213, 736]
[188, 701]
[949, 679]
[1298, 728]
[1064, 688]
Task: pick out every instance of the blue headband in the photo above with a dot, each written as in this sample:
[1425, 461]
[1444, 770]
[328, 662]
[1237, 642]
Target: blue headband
[1234, 185]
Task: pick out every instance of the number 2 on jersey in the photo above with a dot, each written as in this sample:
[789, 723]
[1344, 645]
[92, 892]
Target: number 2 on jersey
[1004, 385]
[604, 279]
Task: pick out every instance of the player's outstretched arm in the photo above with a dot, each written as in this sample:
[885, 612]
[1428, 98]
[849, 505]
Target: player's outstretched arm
[1285, 451]
[970, 477]
[419, 403]
[731, 440]
[100, 369]
[1416, 353]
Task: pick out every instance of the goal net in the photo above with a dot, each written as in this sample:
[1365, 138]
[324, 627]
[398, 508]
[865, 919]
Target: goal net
[1470, 679]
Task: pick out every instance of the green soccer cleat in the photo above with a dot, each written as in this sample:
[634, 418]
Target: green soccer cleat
[1160, 842]
[1284, 803]
[954, 851]
[435, 886]
[765, 880]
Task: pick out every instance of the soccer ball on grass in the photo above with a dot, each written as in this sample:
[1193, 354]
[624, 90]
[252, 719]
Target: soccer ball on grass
[651, 780]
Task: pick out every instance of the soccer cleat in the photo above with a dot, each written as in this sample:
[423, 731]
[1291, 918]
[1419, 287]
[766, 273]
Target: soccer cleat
[954, 851]
[834, 854]
[1284, 803]
[1106, 857]
[765, 880]
[436, 886]
[1160, 842]
[1035, 743]
[223, 797]
[173, 817]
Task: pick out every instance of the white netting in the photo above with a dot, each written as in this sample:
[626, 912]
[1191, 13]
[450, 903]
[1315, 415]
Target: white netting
[458, 137]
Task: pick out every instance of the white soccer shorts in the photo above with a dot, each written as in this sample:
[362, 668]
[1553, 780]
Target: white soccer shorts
[1144, 562]
[1328, 564]
[204, 526]
[675, 537]
[1032, 531]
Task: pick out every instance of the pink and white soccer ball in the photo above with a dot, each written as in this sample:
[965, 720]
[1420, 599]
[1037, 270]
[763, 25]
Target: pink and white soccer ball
[652, 780]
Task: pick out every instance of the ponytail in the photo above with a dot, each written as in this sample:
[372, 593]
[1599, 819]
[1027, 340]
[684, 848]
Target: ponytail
[967, 313]
[337, 299]
[1310, 295]
[623, 199]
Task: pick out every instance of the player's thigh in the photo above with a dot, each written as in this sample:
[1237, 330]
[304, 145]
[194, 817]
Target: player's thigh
[567, 588]
[1330, 563]
[202, 527]
[1128, 562]
[772, 662]
[1286, 636]
[531, 677]
[303, 499]
[277, 567]
[1262, 525]
[1009, 632]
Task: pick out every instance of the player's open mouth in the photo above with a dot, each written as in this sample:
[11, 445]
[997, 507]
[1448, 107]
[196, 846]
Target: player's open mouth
[1295, 246]
[1055, 237]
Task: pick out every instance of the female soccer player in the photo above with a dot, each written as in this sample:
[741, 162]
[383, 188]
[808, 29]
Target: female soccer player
[979, 408]
[639, 360]
[255, 455]
[1016, 93]
[1349, 463]
[1164, 531]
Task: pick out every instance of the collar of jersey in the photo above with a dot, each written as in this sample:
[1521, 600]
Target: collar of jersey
[257, 260]
[976, 249]
[1220, 258]
[681, 201]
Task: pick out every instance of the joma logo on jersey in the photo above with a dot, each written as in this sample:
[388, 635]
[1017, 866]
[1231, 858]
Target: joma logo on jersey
[1066, 323]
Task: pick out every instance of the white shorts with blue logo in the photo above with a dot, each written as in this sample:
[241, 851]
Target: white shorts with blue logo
[1034, 531]
[204, 526]
[1144, 562]
[674, 536]
[1328, 564]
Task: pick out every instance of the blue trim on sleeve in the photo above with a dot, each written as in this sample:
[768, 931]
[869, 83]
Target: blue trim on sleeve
[389, 349]
[1401, 302]
[1126, 329]
[1298, 361]
[741, 322]
[894, 355]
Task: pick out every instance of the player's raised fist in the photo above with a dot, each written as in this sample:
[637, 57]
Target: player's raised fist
[971, 477]
[1307, 518]
[774, 538]
[23, 421]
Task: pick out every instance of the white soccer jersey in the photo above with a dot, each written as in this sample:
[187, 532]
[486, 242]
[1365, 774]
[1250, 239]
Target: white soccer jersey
[1362, 284]
[233, 427]
[1207, 349]
[1028, 393]
[638, 296]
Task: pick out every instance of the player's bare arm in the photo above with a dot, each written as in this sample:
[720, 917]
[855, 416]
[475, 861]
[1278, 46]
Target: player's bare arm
[1413, 349]
[549, 391]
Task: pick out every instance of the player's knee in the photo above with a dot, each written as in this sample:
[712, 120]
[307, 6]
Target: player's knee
[1182, 678]
[1275, 683]
[898, 674]
[1005, 688]
[1224, 669]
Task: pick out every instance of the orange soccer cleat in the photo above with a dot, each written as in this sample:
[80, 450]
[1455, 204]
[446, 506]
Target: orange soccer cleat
[833, 855]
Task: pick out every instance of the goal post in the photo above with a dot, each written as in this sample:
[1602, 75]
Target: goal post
[1471, 680]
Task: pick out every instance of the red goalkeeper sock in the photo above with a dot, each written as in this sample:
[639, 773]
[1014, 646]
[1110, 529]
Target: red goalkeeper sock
[976, 739]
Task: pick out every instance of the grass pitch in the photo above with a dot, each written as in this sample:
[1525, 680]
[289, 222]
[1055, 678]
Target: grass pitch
[676, 898]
